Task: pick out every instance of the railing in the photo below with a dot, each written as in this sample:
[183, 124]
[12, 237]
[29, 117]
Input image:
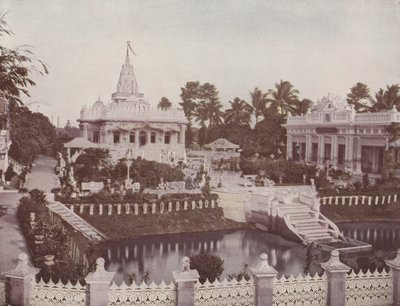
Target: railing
[229, 293]
[301, 290]
[57, 294]
[136, 209]
[369, 288]
[359, 199]
[152, 295]
[346, 116]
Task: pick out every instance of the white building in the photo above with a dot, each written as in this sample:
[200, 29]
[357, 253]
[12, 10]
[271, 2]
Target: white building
[333, 133]
[130, 123]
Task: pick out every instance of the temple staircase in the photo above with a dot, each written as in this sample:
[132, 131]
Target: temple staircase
[299, 212]
[308, 224]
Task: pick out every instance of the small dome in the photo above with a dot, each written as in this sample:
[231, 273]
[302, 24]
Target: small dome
[98, 104]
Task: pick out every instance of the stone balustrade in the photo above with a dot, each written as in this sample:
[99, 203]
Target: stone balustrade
[337, 286]
[347, 116]
[141, 209]
[360, 200]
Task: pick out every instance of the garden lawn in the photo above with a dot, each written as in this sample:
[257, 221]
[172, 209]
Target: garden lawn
[123, 226]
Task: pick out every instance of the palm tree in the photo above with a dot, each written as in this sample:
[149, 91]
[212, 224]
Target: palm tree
[16, 66]
[299, 107]
[239, 113]
[387, 99]
[283, 95]
[359, 97]
[258, 102]
[164, 103]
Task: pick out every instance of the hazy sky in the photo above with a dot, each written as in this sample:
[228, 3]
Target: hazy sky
[319, 46]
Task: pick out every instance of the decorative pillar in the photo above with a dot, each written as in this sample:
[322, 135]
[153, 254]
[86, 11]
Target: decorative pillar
[263, 276]
[321, 150]
[336, 273]
[85, 130]
[350, 157]
[334, 151]
[394, 264]
[289, 151]
[185, 279]
[99, 283]
[20, 281]
[308, 149]
[357, 158]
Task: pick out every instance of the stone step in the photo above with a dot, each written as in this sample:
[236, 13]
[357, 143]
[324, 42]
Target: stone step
[301, 218]
[303, 227]
[320, 230]
[318, 236]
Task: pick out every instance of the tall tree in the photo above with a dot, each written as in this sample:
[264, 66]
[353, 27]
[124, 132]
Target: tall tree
[209, 107]
[359, 97]
[190, 95]
[283, 95]
[239, 113]
[16, 68]
[258, 102]
[164, 103]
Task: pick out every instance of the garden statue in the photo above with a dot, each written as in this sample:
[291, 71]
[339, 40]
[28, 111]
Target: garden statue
[203, 180]
[313, 188]
[162, 185]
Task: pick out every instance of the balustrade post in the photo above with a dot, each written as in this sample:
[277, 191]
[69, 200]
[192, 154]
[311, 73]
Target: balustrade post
[394, 264]
[336, 274]
[263, 276]
[185, 279]
[20, 281]
[99, 284]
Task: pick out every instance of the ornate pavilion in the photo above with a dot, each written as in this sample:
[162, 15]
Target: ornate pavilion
[130, 125]
[334, 134]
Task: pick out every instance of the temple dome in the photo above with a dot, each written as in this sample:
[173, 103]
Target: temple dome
[98, 104]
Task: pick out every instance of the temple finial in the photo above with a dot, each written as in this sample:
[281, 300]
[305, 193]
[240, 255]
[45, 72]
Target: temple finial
[127, 52]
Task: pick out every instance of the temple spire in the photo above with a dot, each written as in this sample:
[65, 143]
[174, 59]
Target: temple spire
[127, 84]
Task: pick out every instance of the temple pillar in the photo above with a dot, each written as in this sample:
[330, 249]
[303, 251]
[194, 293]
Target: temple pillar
[357, 159]
[351, 152]
[308, 149]
[334, 151]
[321, 150]
[289, 151]
[85, 130]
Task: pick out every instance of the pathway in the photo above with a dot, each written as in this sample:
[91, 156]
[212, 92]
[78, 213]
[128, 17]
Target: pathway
[12, 242]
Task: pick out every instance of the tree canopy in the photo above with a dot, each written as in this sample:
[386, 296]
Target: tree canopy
[16, 68]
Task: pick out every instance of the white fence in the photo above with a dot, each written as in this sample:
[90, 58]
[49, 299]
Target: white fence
[136, 209]
[359, 200]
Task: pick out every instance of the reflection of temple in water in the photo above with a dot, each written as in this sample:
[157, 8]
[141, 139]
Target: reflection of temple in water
[161, 255]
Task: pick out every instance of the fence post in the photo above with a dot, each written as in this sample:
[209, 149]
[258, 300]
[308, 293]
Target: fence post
[99, 284]
[336, 273]
[20, 281]
[264, 276]
[185, 279]
[394, 264]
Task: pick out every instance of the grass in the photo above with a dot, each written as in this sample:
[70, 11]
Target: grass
[117, 227]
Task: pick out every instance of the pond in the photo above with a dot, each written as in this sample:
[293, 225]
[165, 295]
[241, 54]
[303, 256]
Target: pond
[160, 255]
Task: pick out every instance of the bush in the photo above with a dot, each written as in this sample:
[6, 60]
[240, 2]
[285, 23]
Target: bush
[10, 173]
[209, 266]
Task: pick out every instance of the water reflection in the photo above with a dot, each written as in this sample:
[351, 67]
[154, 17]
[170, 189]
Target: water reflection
[382, 235]
[160, 255]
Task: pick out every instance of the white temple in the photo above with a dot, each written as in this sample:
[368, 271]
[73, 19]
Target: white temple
[130, 124]
[333, 133]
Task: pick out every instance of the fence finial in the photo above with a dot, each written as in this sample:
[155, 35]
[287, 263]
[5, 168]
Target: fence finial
[23, 267]
[334, 264]
[185, 264]
[263, 267]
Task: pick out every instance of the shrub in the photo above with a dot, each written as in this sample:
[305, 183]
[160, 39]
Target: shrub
[209, 266]
[10, 173]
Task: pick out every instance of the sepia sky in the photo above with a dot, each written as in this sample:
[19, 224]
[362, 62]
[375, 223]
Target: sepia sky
[319, 46]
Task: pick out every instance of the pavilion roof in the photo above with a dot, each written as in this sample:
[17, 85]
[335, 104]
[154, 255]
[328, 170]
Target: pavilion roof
[221, 143]
[80, 142]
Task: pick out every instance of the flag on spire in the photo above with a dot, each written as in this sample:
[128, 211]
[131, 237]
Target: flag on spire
[130, 47]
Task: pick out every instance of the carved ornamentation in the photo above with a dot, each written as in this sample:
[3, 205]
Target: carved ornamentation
[369, 288]
[300, 290]
[224, 293]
